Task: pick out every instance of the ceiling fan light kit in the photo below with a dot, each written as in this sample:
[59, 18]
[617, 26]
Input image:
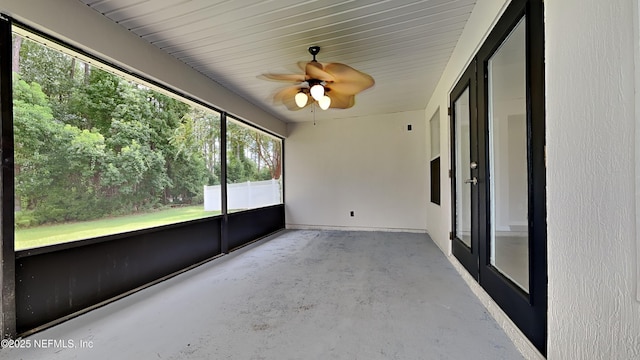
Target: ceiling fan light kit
[301, 99]
[329, 85]
[325, 102]
[317, 91]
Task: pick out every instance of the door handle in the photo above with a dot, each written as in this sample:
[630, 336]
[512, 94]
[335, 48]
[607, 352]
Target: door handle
[473, 181]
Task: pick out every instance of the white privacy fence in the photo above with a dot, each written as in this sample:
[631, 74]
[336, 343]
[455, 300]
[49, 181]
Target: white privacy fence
[246, 195]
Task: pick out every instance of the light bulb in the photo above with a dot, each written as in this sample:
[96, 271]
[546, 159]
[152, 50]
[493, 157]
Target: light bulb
[325, 102]
[301, 99]
[317, 91]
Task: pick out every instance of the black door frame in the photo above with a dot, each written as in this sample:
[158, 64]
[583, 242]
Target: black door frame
[7, 245]
[527, 310]
[468, 256]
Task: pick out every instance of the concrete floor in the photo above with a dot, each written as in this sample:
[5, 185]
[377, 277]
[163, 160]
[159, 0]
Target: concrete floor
[297, 295]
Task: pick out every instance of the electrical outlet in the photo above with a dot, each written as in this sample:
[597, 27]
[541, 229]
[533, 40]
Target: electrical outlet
[352, 214]
[409, 127]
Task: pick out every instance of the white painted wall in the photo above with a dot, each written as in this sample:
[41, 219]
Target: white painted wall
[79, 25]
[371, 165]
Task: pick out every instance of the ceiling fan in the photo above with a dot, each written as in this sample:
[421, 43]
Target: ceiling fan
[331, 85]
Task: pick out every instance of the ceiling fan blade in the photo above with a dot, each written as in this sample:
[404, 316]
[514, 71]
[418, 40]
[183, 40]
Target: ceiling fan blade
[340, 100]
[347, 79]
[302, 65]
[286, 97]
[285, 77]
[349, 88]
[314, 70]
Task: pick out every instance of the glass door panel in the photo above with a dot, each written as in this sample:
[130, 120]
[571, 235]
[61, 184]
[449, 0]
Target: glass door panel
[508, 184]
[462, 169]
[465, 171]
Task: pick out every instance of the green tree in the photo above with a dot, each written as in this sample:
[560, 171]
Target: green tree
[90, 143]
[268, 152]
[53, 70]
[57, 166]
[94, 101]
[33, 131]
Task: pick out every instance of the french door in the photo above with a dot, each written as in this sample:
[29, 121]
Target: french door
[498, 170]
[465, 171]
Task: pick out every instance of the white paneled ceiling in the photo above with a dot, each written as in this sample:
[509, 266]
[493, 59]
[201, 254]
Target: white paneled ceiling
[403, 44]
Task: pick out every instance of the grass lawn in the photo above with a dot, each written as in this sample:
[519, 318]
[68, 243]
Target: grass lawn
[53, 234]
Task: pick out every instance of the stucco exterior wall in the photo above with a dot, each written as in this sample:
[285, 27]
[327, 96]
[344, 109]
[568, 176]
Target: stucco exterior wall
[590, 102]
